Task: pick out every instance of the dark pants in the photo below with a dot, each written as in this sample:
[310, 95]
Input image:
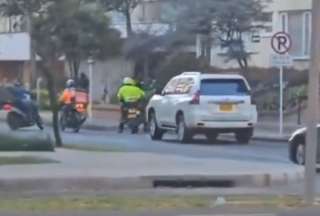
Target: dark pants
[29, 108]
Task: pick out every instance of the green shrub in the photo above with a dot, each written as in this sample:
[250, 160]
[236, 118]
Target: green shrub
[17, 141]
[44, 99]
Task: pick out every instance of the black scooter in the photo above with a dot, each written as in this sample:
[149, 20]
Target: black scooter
[16, 118]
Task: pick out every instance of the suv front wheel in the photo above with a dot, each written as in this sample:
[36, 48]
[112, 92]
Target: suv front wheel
[156, 133]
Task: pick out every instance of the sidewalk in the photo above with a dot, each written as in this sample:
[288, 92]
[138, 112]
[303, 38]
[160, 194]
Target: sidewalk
[80, 170]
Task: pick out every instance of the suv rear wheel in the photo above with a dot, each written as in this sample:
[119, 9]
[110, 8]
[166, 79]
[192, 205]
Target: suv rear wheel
[184, 134]
[244, 136]
[156, 133]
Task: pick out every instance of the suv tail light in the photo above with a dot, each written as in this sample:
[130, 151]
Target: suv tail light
[195, 99]
[7, 108]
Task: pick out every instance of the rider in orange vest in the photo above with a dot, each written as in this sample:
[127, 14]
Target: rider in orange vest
[68, 95]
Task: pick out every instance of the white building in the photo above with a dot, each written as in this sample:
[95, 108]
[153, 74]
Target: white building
[292, 16]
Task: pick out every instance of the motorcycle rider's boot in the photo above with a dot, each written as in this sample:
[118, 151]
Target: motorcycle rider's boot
[121, 127]
[146, 127]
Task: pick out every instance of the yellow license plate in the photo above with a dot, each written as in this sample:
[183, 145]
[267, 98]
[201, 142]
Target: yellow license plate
[132, 116]
[226, 107]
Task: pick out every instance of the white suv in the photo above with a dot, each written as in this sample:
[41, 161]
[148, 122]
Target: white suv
[194, 103]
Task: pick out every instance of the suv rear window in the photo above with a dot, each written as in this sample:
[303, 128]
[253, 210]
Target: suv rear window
[223, 87]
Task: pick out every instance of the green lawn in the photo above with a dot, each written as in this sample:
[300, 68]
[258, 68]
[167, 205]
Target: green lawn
[138, 203]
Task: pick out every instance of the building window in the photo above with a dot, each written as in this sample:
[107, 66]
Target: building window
[298, 25]
[295, 29]
[307, 33]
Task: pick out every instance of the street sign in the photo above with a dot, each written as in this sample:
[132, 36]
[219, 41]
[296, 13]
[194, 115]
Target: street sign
[277, 60]
[281, 43]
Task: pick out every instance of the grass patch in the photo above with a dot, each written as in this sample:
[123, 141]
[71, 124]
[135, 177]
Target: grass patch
[136, 204]
[24, 160]
[91, 148]
[266, 201]
[17, 142]
[128, 204]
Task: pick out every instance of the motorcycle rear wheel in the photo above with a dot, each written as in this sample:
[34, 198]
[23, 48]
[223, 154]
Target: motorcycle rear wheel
[13, 121]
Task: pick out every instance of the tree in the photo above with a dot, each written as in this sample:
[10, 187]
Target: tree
[85, 33]
[53, 38]
[125, 7]
[222, 22]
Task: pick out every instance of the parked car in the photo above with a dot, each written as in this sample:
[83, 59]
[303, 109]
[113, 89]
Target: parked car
[211, 104]
[297, 146]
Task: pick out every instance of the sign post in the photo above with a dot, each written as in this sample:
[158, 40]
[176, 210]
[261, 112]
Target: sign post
[281, 44]
[90, 111]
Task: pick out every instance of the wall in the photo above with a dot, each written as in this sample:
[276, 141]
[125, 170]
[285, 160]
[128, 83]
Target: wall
[10, 71]
[110, 74]
[285, 5]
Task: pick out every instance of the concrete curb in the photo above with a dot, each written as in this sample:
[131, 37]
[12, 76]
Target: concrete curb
[147, 182]
[271, 139]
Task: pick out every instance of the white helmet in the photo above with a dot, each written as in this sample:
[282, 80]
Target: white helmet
[128, 81]
[70, 83]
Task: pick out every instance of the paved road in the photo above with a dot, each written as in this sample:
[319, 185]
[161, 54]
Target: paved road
[224, 148]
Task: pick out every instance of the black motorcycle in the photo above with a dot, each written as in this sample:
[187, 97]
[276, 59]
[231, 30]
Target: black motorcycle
[134, 117]
[73, 117]
[17, 118]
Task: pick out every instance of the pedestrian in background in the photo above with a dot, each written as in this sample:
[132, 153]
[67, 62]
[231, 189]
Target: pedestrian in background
[105, 95]
[83, 82]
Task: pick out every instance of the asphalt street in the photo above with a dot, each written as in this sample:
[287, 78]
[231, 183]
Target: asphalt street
[225, 148]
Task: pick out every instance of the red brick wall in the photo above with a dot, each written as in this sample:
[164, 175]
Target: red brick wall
[11, 70]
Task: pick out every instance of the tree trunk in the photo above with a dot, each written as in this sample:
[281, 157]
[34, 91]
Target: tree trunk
[76, 69]
[33, 56]
[74, 66]
[146, 69]
[129, 22]
[53, 103]
[241, 63]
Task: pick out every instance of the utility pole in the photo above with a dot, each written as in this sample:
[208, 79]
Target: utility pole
[313, 107]
[90, 111]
